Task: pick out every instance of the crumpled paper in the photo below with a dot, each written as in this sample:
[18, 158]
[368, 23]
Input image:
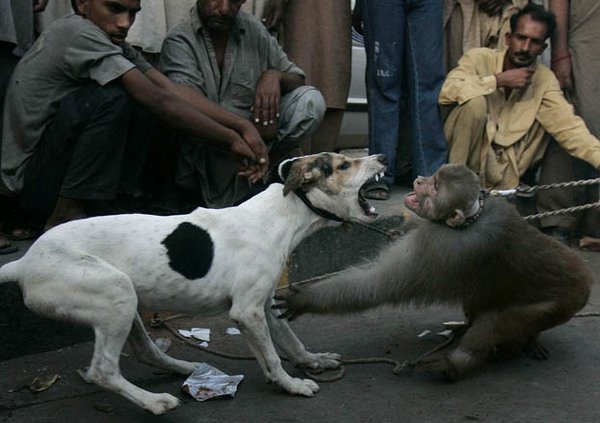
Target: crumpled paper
[208, 382]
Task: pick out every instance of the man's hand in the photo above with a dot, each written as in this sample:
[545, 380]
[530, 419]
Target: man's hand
[266, 98]
[563, 70]
[250, 166]
[40, 5]
[492, 7]
[254, 140]
[273, 14]
[291, 303]
[515, 79]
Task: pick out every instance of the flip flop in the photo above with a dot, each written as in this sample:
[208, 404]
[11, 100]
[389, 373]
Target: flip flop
[8, 248]
[22, 234]
[376, 190]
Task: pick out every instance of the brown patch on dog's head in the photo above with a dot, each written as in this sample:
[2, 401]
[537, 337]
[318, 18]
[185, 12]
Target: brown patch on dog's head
[304, 171]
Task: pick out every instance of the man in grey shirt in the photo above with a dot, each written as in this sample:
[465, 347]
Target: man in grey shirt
[230, 58]
[71, 106]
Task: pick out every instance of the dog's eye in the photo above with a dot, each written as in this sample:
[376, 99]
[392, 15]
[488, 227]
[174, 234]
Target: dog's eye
[344, 166]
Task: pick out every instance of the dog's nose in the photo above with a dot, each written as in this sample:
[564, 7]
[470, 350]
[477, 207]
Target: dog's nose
[382, 159]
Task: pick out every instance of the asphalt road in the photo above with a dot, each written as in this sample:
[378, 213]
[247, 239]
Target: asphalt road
[565, 388]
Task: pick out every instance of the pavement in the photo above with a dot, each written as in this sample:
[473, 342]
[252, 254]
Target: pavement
[565, 388]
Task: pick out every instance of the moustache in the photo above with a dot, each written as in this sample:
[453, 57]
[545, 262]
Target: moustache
[524, 56]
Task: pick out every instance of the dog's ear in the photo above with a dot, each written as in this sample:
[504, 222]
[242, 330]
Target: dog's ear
[300, 173]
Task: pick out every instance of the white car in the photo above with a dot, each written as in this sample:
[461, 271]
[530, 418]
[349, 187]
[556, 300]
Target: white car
[355, 125]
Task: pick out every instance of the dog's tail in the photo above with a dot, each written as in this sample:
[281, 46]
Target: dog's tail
[8, 272]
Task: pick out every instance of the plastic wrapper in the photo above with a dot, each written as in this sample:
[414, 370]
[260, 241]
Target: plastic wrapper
[208, 382]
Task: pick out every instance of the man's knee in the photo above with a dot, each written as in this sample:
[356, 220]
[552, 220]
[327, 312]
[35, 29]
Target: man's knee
[308, 101]
[474, 111]
[115, 95]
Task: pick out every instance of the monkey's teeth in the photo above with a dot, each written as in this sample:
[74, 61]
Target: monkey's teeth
[377, 177]
[372, 209]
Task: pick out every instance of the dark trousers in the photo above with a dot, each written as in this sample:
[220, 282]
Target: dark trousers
[94, 149]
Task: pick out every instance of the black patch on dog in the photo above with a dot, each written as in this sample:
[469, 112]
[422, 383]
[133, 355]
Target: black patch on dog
[190, 250]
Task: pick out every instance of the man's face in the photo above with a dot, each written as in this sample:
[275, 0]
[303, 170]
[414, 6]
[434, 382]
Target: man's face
[526, 43]
[114, 17]
[217, 15]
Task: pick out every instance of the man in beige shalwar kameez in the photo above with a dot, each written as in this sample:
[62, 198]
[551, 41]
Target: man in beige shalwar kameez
[506, 104]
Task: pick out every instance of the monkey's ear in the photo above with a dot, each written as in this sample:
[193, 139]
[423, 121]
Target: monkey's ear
[455, 219]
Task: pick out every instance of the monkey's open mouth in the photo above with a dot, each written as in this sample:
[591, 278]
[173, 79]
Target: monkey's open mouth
[411, 201]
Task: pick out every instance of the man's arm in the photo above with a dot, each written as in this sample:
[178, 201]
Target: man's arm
[271, 85]
[214, 111]
[150, 91]
[560, 56]
[558, 118]
[467, 80]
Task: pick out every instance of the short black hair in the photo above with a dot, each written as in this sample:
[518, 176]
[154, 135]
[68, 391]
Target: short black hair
[538, 14]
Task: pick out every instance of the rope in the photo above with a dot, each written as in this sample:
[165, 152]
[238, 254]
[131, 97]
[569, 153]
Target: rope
[525, 191]
[562, 211]
[316, 375]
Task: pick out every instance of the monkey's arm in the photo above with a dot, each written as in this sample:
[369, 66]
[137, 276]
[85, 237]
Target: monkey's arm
[354, 289]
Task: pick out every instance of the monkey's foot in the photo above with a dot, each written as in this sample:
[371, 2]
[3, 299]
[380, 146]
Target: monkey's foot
[440, 366]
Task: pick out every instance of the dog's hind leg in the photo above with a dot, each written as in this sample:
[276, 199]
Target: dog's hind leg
[147, 352]
[292, 347]
[91, 291]
[252, 323]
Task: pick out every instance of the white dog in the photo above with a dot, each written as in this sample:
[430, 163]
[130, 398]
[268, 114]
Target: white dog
[100, 271]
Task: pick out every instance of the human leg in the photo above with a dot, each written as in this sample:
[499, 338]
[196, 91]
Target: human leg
[384, 23]
[465, 132]
[425, 69]
[301, 111]
[80, 155]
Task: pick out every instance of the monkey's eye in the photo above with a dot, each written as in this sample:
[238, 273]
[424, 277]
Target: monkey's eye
[344, 166]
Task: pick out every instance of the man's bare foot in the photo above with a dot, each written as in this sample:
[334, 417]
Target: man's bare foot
[65, 210]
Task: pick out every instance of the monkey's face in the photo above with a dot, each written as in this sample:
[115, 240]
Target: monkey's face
[332, 182]
[450, 195]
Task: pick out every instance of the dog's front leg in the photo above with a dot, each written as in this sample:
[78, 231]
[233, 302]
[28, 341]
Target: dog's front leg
[293, 348]
[252, 323]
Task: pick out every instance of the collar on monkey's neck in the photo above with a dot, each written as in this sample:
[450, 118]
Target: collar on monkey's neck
[473, 213]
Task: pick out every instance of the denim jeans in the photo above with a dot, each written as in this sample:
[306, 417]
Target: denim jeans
[405, 36]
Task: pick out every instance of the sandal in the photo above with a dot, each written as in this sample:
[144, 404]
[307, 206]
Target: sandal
[6, 247]
[22, 234]
[376, 190]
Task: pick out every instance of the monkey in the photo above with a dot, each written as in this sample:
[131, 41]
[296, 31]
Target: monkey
[512, 281]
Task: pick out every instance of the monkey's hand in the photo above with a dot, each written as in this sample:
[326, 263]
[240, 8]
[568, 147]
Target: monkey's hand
[292, 303]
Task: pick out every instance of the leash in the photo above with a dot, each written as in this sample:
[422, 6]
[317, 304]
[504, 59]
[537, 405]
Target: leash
[317, 375]
[526, 191]
[399, 367]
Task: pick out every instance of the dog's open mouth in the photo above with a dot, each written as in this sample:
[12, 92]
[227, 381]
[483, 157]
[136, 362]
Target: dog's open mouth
[367, 208]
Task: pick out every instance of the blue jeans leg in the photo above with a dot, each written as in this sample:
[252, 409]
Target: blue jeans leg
[425, 67]
[384, 45]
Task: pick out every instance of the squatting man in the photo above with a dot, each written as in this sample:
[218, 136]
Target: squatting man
[507, 106]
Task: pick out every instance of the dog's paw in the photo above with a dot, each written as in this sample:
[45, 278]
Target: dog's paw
[161, 403]
[322, 361]
[306, 387]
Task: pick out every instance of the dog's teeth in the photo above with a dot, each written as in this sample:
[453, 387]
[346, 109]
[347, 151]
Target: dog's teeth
[377, 177]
